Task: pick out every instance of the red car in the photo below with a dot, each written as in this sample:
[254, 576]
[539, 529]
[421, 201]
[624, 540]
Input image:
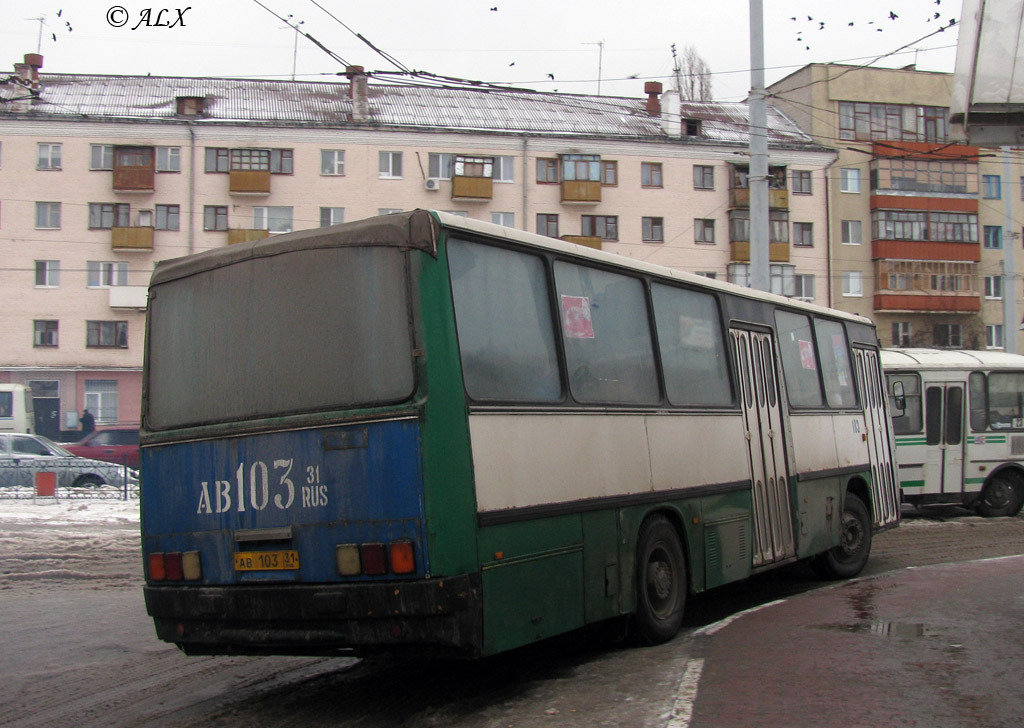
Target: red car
[114, 445]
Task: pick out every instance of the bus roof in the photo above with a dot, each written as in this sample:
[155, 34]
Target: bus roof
[419, 229]
[949, 359]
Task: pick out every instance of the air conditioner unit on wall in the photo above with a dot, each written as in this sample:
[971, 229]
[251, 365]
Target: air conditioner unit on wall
[432, 183]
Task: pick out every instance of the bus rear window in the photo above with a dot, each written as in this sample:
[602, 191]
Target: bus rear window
[308, 330]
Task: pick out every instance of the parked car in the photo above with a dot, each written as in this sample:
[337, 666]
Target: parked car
[118, 445]
[24, 455]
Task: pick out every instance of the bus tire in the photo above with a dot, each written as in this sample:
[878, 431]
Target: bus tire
[661, 582]
[1003, 495]
[848, 558]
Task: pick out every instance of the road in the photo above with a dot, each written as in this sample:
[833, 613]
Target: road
[78, 649]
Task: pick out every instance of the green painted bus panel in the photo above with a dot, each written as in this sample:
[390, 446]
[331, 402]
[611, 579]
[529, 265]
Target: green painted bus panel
[510, 541]
[531, 599]
[819, 515]
[727, 537]
[449, 500]
[602, 581]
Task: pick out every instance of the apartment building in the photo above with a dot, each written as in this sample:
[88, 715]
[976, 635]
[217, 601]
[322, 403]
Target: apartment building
[923, 230]
[102, 176]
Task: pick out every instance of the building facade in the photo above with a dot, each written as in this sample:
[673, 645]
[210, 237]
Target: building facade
[923, 229]
[102, 176]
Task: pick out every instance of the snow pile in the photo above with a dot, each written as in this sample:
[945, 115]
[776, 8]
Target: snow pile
[69, 511]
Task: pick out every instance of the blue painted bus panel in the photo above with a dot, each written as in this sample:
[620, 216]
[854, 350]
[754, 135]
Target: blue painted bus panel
[338, 485]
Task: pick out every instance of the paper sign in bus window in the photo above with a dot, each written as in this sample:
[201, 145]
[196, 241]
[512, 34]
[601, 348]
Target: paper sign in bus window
[807, 355]
[576, 319]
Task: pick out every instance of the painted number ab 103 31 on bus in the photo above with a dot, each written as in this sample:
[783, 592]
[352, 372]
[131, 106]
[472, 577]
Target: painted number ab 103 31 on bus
[425, 432]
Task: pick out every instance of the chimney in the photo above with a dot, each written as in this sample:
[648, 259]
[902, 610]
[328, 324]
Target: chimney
[27, 74]
[653, 90]
[357, 88]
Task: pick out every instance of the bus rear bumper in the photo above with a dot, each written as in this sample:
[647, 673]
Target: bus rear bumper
[324, 619]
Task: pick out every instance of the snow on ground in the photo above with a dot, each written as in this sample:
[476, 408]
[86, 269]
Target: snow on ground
[68, 509]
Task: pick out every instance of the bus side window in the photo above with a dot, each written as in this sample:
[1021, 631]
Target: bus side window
[1005, 401]
[835, 364]
[978, 402]
[799, 359]
[906, 419]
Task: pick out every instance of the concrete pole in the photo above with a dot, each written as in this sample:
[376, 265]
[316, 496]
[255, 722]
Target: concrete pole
[758, 178]
[1010, 324]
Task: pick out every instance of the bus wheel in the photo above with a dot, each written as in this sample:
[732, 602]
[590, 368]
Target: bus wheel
[1001, 496]
[660, 582]
[849, 557]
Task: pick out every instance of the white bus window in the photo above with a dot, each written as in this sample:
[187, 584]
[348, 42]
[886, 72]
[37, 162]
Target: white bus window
[799, 359]
[909, 422]
[835, 364]
[504, 323]
[978, 402]
[1006, 400]
[693, 355]
[607, 337]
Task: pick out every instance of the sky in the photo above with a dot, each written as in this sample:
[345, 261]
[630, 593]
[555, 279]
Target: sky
[568, 46]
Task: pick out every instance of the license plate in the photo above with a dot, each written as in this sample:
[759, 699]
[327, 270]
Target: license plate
[266, 560]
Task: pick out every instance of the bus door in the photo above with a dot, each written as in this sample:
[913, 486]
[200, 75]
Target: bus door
[880, 438]
[944, 435]
[757, 367]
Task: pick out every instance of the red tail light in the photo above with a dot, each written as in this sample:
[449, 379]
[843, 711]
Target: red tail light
[375, 558]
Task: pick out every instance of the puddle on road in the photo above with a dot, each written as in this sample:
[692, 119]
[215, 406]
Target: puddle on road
[887, 630]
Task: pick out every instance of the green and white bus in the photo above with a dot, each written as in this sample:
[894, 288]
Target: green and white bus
[959, 423]
[425, 432]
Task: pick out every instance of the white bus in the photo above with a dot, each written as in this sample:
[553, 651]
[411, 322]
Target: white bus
[958, 417]
[16, 414]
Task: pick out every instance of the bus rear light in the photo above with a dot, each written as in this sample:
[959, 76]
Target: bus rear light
[375, 558]
[347, 557]
[156, 567]
[172, 566]
[403, 559]
[191, 566]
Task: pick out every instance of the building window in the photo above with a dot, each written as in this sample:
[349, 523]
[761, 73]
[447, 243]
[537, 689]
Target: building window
[168, 159]
[508, 219]
[918, 175]
[48, 216]
[476, 167]
[704, 231]
[388, 210]
[849, 179]
[49, 156]
[250, 160]
[106, 334]
[609, 173]
[107, 215]
[653, 229]
[782, 280]
[804, 286]
[993, 237]
[332, 162]
[547, 171]
[331, 216]
[105, 274]
[801, 182]
[439, 165]
[47, 273]
[703, 177]
[168, 217]
[875, 122]
[947, 336]
[851, 232]
[707, 274]
[605, 227]
[547, 225]
[993, 287]
[218, 159]
[739, 273]
[101, 156]
[994, 336]
[650, 174]
[390, 165]
[275, 219]
[215, 217]
[583, 168]
[803, 234]
[901, 333]
[991, 186]
[460, 213]
[504, 169]
[101, 398]
[44, 333]
[852, 283]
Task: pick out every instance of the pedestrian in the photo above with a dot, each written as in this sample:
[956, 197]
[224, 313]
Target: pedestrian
[87, 421]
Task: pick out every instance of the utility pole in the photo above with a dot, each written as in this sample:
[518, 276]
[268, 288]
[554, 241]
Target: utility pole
[1010, 325]
[757, 179]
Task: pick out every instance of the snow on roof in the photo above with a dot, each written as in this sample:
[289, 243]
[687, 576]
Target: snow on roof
[328, 103]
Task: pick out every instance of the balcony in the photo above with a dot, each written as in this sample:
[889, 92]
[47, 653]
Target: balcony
[740, 252]
[777, 199]
[250, 182]
[245, 235]
[926, 286]
[589, 241]
[131, 238]
[134, 179]
[581, 192]
[472, 188]
[915, 301]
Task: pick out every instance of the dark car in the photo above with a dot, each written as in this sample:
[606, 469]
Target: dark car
[114, 445]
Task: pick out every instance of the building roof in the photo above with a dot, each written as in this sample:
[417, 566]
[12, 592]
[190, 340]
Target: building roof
[322, 103]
